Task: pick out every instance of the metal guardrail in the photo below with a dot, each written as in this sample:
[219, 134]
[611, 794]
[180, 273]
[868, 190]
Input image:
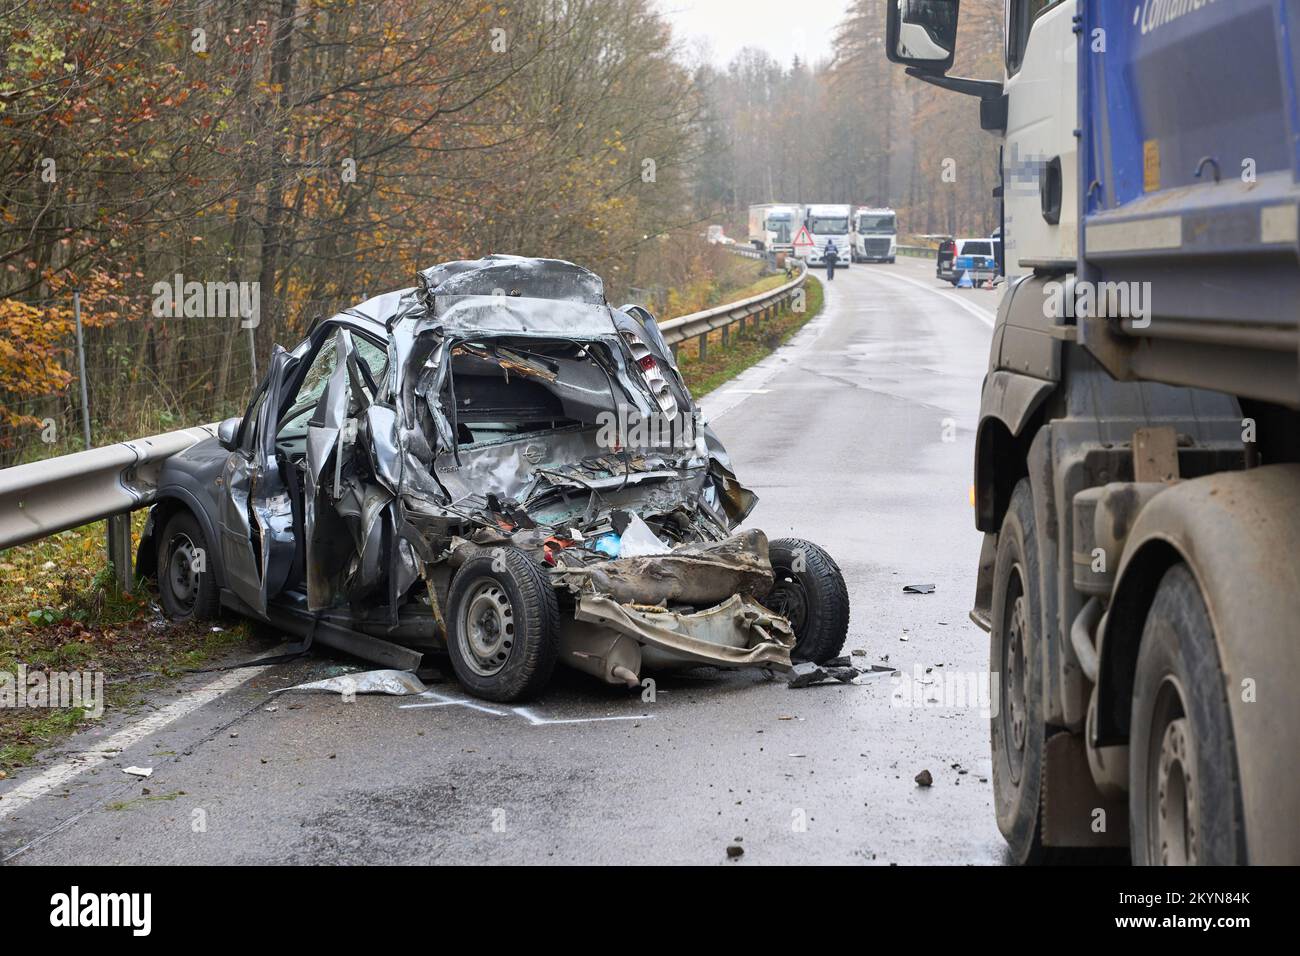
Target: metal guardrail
[756, 308]
[919, 251]
[42, 498]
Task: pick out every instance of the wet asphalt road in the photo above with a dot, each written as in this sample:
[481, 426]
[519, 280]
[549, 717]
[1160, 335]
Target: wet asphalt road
[857, 436]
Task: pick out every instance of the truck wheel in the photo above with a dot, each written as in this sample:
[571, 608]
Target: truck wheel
[810, 592]
[1016, 662]
[187, 586]
[503, 624]
[1184, 789]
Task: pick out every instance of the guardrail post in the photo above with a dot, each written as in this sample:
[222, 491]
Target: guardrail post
[119, 549]
[704, 345]
[726, 335]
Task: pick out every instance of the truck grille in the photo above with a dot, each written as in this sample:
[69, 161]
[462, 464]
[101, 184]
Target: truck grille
[876, 247]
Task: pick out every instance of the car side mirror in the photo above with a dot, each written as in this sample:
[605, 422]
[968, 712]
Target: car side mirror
[922, 34]
[227, 432]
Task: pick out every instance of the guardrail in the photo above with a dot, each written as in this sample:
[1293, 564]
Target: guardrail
[42, 498]
[919, 251]
[754, 309]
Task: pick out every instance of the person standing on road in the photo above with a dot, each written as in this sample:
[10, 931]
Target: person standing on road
[830, 257]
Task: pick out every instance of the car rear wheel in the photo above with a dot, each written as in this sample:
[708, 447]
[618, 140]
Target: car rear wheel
[1185, 795]
[809, 591]
[187, 586]
[504, 626]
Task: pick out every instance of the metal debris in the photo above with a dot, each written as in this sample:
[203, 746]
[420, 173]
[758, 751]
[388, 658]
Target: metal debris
[918, 589]
[138, 771]
[394, 683]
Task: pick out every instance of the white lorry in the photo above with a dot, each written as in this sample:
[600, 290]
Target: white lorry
[828, 224]
[772, 226]
[875, 234]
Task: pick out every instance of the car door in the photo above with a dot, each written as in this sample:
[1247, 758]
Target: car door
[256, 513]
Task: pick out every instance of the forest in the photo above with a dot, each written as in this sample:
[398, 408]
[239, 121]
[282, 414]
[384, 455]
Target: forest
[315, 152]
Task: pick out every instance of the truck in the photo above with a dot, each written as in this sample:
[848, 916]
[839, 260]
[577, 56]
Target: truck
[874, 234]
[1137, 453]
[772, 226]
[828, 224]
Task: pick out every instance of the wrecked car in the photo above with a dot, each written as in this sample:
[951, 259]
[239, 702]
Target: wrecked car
[498, 466]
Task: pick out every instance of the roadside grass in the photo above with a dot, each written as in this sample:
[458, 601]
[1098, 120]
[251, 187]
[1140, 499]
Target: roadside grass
[720, 364]
[60, 610]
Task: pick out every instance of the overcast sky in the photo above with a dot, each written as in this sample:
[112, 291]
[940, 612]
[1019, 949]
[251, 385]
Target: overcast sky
[784, 28]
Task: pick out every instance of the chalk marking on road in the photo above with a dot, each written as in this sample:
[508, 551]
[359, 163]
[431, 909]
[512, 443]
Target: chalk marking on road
[442, 700]
[539, 721]
[974, 310]
[38, 786]
[436, 699]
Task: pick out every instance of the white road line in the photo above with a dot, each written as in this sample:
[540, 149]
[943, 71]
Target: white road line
[981, 314]
[441, 700]
[56, 776]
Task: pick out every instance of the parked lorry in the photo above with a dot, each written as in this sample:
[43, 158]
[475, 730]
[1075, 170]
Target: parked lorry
[828, 224]
[772, 226]
[1137, 459]
[874, 234]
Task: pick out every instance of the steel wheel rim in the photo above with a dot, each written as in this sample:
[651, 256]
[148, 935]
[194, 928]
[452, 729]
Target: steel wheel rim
[1014, 664]
[1173, 812]
[787, 599]
[486, 631]
[182, 579]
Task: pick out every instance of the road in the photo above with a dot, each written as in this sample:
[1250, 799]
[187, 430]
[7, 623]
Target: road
[858, 435]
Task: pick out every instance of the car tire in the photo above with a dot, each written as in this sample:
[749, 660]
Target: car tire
[186, 594]
[1018, 733]
[1185, 790]
[809, 590]
[503, 626]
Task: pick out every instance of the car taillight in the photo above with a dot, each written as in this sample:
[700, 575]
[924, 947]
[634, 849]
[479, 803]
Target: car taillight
[647, 362]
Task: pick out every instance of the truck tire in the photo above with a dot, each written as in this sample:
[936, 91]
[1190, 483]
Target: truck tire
[1018, 731]
[503, 626]
[810, 591]
[1184, 787]
[187, 586]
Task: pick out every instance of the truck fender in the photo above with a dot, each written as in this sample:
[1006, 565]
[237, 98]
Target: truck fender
[1238, 533]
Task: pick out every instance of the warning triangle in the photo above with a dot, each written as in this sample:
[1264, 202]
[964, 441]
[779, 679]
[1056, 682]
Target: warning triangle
[803, 242]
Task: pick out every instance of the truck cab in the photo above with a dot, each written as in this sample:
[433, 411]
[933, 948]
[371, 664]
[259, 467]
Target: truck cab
[772, 227]
[1137, 457]
[875, 234]
[829, 224]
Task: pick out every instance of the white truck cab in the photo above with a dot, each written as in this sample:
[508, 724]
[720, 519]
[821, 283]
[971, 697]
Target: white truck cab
[875, 234]
[772, 226]
[829, 224]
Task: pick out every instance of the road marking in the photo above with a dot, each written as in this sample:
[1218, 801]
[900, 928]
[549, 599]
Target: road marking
[436, 699]
[46, 781]
[974, 310]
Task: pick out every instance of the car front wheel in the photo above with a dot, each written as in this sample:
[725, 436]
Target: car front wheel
[187, 586]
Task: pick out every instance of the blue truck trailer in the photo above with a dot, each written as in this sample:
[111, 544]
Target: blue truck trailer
[1137, 463]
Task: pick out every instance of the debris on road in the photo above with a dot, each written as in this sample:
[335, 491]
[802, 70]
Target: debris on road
[918, 589]
[924, 779]
[138, 771]
[394, 683]
[734, 851]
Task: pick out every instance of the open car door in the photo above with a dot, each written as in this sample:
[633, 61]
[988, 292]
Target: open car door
[257, 539]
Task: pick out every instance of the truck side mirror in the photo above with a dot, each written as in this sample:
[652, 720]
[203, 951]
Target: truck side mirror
[227, 432]
[922, 34]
